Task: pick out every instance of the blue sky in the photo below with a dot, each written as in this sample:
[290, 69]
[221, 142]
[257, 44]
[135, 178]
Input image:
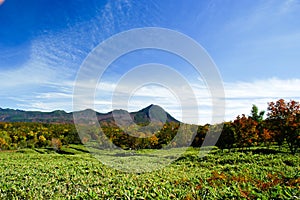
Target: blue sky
[255, 45]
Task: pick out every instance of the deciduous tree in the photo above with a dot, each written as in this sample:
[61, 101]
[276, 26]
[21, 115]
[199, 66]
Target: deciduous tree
[284, 120]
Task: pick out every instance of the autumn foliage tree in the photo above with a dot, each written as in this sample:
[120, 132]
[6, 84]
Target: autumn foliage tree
[265, 136]
[246, 134]
[284, 122]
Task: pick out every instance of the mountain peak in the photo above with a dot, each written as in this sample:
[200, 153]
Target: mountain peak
[152, 113]
[151, 106]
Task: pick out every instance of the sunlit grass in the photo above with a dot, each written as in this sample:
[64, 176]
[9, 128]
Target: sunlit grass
[50, 175]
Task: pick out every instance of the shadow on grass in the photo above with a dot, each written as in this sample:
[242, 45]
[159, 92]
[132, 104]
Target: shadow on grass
[267, 151]
[64, 152]
[59, 151]
[39, 151]
[261, 151]
[81, 150]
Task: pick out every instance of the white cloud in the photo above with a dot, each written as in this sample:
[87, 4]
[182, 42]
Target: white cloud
[270, 88]
[241, 95]
[239, 98]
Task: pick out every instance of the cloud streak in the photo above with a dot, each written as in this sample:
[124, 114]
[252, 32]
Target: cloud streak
[239, 98]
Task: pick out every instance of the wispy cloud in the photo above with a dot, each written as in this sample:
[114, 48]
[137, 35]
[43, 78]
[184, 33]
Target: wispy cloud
[239, 97]
[289, 6]
[265, 14]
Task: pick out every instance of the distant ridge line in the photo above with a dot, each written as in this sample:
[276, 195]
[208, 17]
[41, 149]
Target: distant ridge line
[61, 116]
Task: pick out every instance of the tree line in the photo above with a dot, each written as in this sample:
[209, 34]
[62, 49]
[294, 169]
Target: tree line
[280, 127]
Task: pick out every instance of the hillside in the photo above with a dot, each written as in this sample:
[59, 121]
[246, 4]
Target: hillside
[153, 112]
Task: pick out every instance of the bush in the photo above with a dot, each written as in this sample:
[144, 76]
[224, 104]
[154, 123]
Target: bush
[56, 144]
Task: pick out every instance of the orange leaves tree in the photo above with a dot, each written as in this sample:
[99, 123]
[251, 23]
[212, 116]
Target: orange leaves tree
[246, 133]
[266, 136]
[284, 122]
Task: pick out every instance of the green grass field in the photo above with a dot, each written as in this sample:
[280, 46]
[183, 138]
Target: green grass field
[45, 174]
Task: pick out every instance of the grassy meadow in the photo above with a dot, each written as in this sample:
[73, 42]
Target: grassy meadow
[73, 173]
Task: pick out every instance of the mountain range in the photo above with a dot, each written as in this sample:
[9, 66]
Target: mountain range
[145, 115]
